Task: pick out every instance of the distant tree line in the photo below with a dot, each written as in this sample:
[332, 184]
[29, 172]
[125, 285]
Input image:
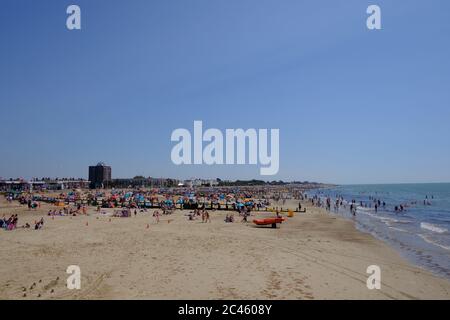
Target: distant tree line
[255, 182]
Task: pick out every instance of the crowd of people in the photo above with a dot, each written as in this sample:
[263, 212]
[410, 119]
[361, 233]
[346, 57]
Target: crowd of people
[239, 202]
[373, 203]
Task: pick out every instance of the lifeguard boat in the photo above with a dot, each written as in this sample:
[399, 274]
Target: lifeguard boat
[269, 221]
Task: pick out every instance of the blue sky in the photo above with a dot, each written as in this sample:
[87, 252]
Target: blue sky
[352, 105]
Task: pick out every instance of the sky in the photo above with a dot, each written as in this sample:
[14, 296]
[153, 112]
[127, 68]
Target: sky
[353, 105]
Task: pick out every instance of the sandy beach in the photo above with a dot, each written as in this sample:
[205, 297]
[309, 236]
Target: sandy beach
[312, 256]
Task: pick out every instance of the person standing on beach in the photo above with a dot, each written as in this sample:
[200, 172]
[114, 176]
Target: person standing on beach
[156, 215]
[353, 208]
[278, 214]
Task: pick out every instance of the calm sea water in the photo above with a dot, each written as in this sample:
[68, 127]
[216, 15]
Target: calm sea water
[420, 232]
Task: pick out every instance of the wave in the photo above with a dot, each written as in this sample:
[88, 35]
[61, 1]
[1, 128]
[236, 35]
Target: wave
[399, 229]
[384, 219]
[432, 227]
[364, 208]
[427, 239]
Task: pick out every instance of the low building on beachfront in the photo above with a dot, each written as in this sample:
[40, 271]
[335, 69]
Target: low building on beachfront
[62, 184]
[14, 185]
[192, 183]
[42, 184]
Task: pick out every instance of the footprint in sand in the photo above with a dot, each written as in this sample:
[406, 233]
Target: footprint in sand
[50, 285]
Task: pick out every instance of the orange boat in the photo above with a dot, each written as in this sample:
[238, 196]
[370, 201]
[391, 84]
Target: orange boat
[269, 221]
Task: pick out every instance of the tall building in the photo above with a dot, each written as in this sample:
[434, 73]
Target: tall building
[99, 176]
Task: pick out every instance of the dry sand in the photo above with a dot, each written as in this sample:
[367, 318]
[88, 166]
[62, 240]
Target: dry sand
[312, 256]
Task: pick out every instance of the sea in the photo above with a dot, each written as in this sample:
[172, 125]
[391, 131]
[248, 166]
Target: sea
[420, 232]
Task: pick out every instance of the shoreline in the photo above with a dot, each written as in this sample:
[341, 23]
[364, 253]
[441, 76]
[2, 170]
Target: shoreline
[311, 256]
[359, 227]
[419, 233]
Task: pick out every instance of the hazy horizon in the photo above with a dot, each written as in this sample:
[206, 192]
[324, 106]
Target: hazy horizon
[226, 179]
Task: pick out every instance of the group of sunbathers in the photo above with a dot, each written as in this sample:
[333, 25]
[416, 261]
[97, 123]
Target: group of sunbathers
[244, 214]
[54, 213]
[9, 224]
[200, 212]
[229, 218]
[66, 212]
[12, 223]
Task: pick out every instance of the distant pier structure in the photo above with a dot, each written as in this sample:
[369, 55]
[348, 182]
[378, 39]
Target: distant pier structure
[99, 176]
